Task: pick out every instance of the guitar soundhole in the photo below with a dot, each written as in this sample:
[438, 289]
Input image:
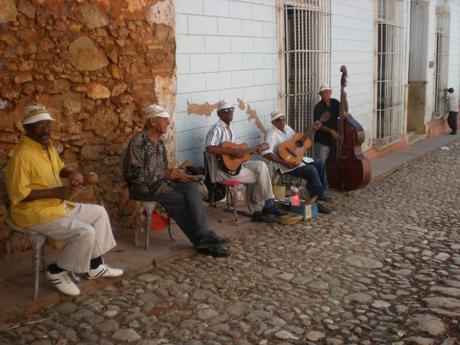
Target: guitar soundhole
[299, 143]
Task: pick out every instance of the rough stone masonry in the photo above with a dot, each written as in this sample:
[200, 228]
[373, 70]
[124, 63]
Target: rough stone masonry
[92, 63]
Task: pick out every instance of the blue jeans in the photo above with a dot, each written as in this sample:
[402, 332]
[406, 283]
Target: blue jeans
[321, 152]
[314, 173]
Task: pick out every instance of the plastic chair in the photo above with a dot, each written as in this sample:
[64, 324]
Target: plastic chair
[148, 207]
[38, 240]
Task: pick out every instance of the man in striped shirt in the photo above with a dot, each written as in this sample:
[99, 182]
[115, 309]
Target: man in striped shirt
[252, 172]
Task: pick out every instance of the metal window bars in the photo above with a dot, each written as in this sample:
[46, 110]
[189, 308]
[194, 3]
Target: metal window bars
[305, 54]
[391, 54]
[442, 58]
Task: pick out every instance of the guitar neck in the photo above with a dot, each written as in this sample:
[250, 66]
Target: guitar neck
[307, 134]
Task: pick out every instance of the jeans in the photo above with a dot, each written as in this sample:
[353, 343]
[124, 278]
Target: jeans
[321, 152]
[314, 173]
[452, 121]
[184, 204]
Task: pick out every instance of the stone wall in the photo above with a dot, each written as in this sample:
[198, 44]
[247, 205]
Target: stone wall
[93, 64]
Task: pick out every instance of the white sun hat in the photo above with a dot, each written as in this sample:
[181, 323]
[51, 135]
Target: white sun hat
[324, 87]
[154, 110]
[276, 115]
[35, 113]
[224, 104]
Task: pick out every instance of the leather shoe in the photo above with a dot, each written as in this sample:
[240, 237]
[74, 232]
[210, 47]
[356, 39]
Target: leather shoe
[210, 239]
[325, 198]
[323, 209]
[261, 217]
[274, 210]
[215, 252]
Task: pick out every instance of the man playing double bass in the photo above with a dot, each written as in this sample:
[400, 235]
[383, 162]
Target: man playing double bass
[326, 136]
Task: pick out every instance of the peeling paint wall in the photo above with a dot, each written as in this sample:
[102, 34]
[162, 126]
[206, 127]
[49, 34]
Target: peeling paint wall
[225, 49]
[93, 64]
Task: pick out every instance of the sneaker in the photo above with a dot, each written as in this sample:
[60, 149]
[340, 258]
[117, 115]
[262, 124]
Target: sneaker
[104, 271]
[323, 209]
[63, 283]
[75, 277]
[453, 133]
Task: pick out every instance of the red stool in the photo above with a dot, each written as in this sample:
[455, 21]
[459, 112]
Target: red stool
[231, 196]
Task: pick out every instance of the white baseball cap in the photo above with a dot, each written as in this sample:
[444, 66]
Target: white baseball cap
[35, 113]
[154, 110]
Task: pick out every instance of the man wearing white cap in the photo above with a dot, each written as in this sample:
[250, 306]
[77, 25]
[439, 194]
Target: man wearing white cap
[39, 202]
[326, 136]
[310, 170]
[149, 178]
[255, 172]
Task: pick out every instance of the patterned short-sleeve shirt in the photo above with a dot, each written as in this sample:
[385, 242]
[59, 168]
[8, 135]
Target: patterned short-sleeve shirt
[145, 165]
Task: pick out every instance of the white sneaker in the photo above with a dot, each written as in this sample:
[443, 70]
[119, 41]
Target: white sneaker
[104, 271]
[63, 283]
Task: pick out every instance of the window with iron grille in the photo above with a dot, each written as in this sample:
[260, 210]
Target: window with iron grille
[442, 58]
[305, 53]
[391, 73]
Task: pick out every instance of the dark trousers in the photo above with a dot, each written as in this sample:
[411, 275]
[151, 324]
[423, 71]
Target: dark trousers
[452, 120]
[314, 173]
[185, 206]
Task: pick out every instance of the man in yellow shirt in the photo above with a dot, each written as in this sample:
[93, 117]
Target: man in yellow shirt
[39, 202]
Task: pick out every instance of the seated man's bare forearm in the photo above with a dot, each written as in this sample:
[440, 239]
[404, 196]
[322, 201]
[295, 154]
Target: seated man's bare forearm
[40, 194]
[62, 192]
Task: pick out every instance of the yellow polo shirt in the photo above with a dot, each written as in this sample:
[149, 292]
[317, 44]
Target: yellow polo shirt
[32, 167]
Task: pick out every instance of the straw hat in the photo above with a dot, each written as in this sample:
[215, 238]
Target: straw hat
[224, 104]
[324, 87]
[276, 115]
[154, 110]
[35, 113]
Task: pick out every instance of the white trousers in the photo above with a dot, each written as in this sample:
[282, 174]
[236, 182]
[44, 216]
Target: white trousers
[87, 233]
[254, 172]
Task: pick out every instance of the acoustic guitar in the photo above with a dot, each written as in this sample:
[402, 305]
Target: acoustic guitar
[231, 164]
[293, 150]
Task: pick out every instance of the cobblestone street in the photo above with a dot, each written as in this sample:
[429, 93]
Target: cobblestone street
[383, 269]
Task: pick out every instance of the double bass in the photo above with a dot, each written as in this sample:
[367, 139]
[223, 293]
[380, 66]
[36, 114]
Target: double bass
[347, 168]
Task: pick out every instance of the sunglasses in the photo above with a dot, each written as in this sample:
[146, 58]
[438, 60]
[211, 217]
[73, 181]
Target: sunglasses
[226, 110]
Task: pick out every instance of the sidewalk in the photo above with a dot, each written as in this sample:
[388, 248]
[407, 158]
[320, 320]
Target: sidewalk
[384, 165]
[16, 292]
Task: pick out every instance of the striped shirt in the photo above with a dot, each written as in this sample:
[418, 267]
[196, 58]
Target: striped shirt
[218, 134]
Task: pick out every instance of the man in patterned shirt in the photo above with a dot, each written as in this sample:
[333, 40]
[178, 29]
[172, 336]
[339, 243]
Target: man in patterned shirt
[150, 179]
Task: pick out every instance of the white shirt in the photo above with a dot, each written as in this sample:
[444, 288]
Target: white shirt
[452, 102]
[218, 134]
[274, 138]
